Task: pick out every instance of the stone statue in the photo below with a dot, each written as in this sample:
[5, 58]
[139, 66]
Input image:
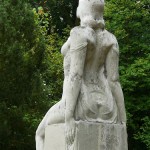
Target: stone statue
[91, 89]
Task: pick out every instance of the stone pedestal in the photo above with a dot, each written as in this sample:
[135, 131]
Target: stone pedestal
[89, 136]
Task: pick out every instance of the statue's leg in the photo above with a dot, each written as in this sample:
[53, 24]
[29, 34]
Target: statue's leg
[55, 115]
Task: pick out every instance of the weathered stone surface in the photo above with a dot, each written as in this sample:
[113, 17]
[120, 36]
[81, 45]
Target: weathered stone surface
[55, 137]
[91, 90]
[89, 136]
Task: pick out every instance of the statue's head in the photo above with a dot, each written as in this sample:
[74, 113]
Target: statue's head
[90, 12]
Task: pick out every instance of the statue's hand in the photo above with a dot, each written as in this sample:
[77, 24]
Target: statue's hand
[70, 131]
[123, 116]
[123, 123]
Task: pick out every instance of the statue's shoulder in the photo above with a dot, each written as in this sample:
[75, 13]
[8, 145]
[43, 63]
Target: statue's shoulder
[111, 36]
[75, 30]
[84, 32]
[80, 29]
[110, 39]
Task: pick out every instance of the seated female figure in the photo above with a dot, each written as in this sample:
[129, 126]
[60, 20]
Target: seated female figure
[91, 90]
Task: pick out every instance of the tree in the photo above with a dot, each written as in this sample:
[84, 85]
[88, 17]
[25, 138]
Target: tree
[62, 12]
[22, 99]
[31, 72]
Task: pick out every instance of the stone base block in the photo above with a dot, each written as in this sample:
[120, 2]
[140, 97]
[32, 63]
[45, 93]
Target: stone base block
[89, 136]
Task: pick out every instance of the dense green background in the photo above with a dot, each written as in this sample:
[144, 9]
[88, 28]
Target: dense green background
[31, 75]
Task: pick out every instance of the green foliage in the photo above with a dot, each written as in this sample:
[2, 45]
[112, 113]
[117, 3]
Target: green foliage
[53, 75]
[62, 12]
[144, 131]
[31, 69]
[22, 99]
[129, 21]
[52, 64]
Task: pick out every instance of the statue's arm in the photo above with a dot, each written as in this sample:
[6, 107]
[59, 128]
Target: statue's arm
[112, 62]
[72, 85]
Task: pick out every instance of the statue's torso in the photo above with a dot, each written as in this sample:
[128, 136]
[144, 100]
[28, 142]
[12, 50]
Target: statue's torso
[95, 101]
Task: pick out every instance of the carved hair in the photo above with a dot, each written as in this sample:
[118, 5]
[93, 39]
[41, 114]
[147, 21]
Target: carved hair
[90, 13]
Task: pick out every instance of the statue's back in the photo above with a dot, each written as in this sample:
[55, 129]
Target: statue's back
[95, 101]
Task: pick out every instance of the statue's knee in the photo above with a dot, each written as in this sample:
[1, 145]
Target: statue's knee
[40, 131]
[37, 133]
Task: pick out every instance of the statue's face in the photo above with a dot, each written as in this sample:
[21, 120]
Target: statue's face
[92, 8]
